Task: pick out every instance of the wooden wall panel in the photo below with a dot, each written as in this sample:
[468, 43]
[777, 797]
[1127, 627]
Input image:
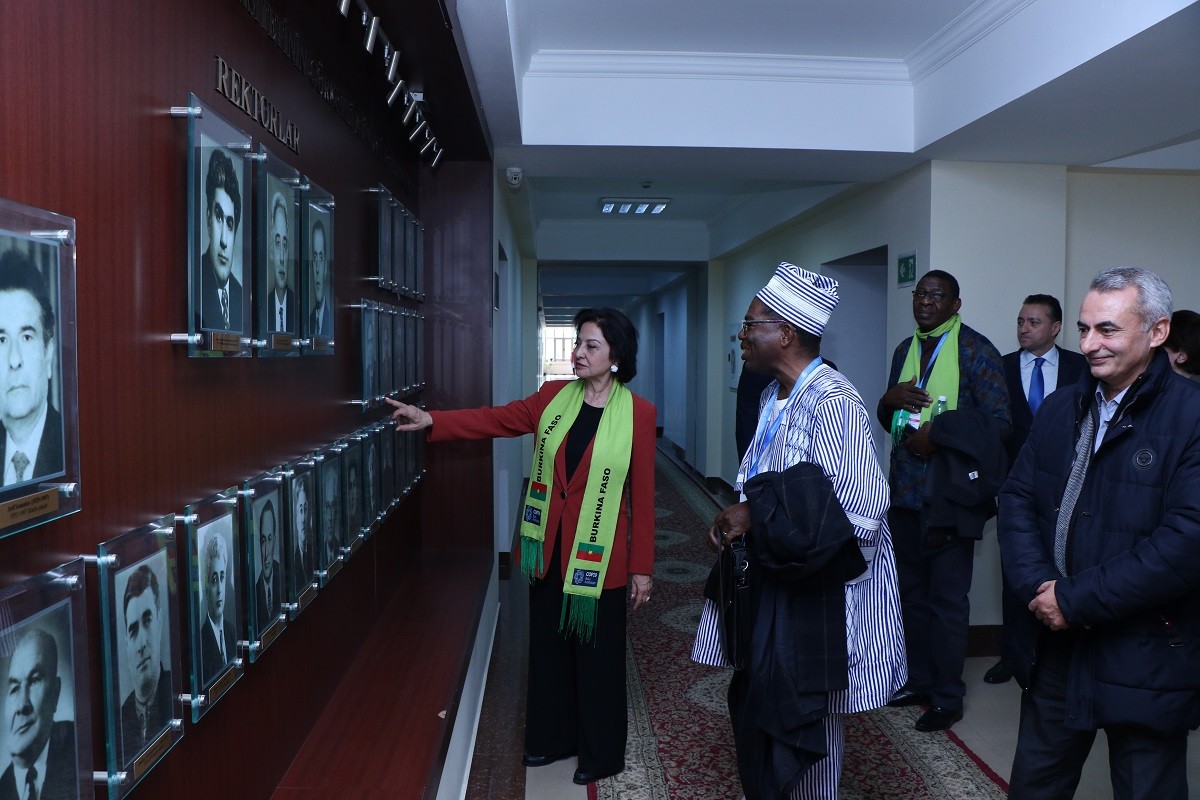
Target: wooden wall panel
[85, 132]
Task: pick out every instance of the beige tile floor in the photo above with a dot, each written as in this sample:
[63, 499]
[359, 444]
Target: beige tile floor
[989, 728]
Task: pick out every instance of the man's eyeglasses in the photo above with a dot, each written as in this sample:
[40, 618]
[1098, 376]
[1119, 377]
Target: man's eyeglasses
[746, 323]
[935, 296]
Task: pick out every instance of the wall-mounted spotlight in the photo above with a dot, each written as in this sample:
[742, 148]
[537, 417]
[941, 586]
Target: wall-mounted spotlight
[431, 143]
[344, 7]
[393, 66]
[397, 90]
[412, 137]
[412, 109]
[437, 156]
[372, 33]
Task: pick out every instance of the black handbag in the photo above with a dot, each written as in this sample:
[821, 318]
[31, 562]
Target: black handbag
[733, 601]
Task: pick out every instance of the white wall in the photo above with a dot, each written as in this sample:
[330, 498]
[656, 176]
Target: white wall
[1140, 220]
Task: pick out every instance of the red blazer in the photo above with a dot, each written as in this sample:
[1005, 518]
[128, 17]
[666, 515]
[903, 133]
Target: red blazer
[632, 552]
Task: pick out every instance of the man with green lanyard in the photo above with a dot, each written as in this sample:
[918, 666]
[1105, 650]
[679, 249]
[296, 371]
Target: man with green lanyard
[943, 358]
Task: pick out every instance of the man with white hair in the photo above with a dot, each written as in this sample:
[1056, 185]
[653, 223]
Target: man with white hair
[218, 640]
[1100, 535]
[847, 621]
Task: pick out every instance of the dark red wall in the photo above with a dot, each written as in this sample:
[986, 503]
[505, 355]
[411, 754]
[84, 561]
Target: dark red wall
[85, 132]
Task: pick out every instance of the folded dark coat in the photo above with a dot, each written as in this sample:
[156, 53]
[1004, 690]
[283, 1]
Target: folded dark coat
[966, 472]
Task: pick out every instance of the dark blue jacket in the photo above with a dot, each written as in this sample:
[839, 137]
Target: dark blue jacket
[1132, 593]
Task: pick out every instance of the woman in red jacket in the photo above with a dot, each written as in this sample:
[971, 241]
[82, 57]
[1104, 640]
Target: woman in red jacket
[587, 531]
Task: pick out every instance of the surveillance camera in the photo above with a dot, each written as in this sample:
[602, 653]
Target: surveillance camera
[514, 176]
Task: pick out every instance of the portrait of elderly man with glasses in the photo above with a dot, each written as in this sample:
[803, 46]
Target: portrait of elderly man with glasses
[947, 464]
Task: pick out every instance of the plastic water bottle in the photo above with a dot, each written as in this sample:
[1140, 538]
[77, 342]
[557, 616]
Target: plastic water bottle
[940, 407]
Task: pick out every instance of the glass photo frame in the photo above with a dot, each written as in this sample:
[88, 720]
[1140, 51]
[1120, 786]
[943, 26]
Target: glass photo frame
[352, 492]
[370, 354]
[418, 343]
[385, 248]
[44, 663]
[385, 372]
[330, 514]
[299, 539]
[389, 496]
[39, 478]
[143, 672]
[411, 237]
[371, 468]
[219, 239]
[418, 271]
[410, 349]
[399, 227]
[277, 290]
[399, 347]
[215, 569]
[262, 521]
[317, 299]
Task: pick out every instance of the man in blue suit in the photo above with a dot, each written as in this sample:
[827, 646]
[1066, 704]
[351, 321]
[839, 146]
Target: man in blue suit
[1038, 326]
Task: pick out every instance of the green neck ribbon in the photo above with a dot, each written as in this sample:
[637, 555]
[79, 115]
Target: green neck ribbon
[943, 378]
[591, 549]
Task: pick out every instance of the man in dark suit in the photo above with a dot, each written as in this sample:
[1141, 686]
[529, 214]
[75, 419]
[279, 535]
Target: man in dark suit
[221, 292]
[321, 321]
[303, 565]
[32, 427]
[43, 751]
[1032, 373]
[148, 708]
[281, 301]
[218, 640]
[268, 588]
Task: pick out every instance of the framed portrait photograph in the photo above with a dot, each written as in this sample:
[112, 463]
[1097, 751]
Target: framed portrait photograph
[39, 421]
[220, 245]
[371, 466]
[277, 290]
[386, 207]
[317, 300]
[418, 269]
[262, 520]
[417, 349]
[331, 519]
[299, 539]
[352, 492]
[400, 219]
[143, 672]
[411, 238]
[410, 350]
[387, 386]
[389, 496]
[47, 710]
[370, 354]
[216, 575]
[399, 346]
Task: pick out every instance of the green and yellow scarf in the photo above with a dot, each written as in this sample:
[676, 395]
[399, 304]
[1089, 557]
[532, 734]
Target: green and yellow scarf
[592, 547]
[943, 378]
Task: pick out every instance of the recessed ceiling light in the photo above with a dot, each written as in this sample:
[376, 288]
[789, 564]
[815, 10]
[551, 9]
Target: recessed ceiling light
[636, 205]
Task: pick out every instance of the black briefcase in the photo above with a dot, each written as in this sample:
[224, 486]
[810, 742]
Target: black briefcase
[733, 601]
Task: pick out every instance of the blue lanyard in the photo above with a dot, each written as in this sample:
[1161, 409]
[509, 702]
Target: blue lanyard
[764, 438]
[929, 367]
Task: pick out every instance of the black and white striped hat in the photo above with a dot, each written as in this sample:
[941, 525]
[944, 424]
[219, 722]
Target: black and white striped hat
[803, 298]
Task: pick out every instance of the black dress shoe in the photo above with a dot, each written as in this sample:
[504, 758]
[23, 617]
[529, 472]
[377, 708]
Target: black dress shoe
[938, 719]
[584, 776]
[907, 697]
[541, 761]
[1000, 673]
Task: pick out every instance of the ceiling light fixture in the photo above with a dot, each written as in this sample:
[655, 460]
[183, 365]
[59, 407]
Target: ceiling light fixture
[635, 205]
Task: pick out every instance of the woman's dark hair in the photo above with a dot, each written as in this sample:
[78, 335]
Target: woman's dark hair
[620, 334]
[1185, 338]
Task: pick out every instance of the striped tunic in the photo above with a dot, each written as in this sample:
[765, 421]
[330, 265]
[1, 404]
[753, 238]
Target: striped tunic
[826, 424]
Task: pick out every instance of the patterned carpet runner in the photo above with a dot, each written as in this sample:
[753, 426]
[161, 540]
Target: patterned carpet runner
[680, 743]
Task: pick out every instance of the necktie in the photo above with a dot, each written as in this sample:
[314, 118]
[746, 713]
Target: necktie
[1037, 385]
[143, 715]
[270, 605]
[31, 784]
[221, 645]
[1083, 457]
[281, 318]
[20, 464]
[225, 305]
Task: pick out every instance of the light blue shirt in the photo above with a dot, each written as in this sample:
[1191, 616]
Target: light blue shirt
[1049, 371]
[1108, 409]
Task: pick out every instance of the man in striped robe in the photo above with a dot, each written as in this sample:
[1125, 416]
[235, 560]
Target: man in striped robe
[812, 413]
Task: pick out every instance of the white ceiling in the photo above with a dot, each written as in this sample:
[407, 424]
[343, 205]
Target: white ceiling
[746, 115]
